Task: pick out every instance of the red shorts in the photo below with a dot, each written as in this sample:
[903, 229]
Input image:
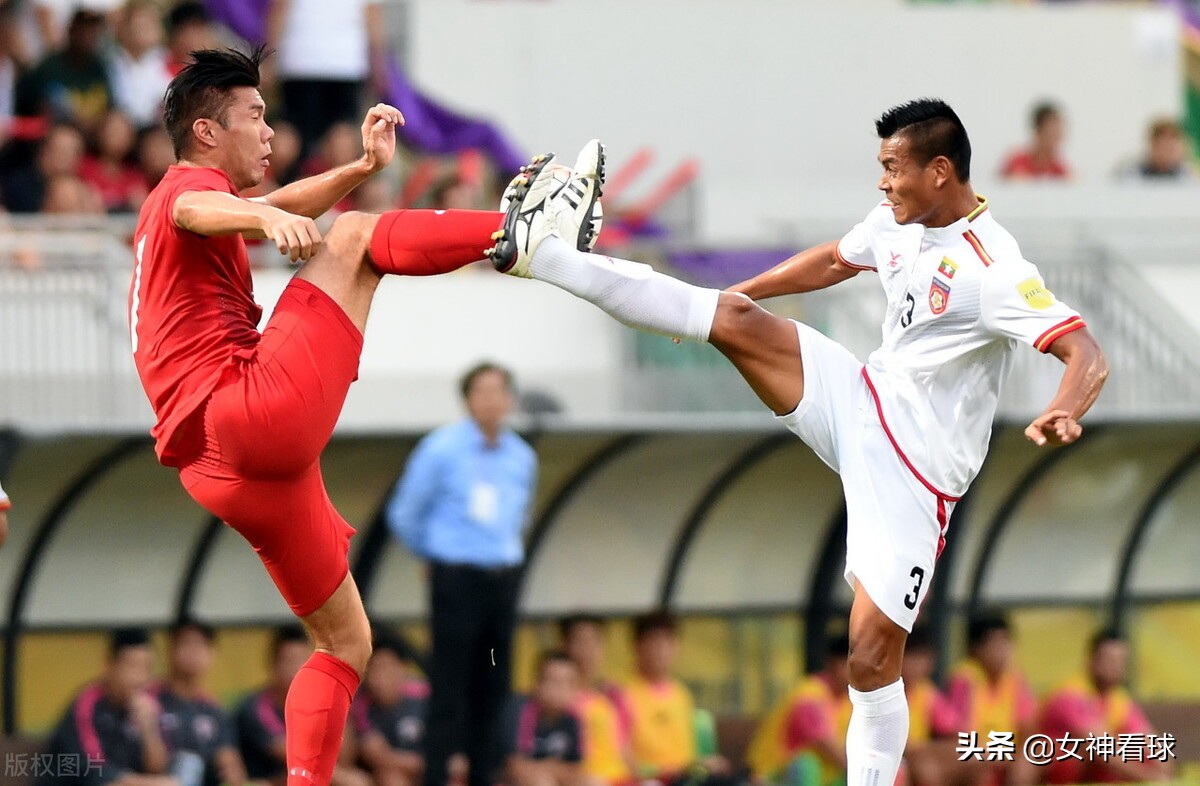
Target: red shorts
[264, 428]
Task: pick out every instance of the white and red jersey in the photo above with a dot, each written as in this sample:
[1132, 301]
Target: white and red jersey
[960, 299]
[5, 503]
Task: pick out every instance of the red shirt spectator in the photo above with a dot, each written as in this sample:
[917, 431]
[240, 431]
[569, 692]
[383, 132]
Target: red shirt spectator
[1043, 158]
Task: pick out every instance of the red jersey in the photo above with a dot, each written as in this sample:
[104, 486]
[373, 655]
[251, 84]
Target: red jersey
[191, 306]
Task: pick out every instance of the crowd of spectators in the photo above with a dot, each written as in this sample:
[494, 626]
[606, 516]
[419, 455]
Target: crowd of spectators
[580, 727]
[82, 84]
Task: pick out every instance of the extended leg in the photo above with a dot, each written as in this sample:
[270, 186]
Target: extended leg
[763, 347]
[878, 728]
[361, 247]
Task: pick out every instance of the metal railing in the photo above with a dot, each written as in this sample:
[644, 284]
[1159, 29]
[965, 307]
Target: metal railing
[65, 361]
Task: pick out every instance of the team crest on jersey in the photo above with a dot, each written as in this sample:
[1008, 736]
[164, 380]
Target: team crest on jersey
[939, 296]
[948, 267]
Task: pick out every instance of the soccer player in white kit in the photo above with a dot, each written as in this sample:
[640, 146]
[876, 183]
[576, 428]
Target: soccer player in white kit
[907, 432]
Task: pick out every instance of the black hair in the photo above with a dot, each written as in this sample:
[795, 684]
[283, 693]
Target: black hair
[187, 13]
[386, 641]
[202, 89]
[127, 638]
[932, 129]
[287, 634]
[1102, 637]
[645, 624]
[983, 625]
[191, 623]
[838, 646]
[1043, 112]
[464, 386]
[553, 656]
[568, 624]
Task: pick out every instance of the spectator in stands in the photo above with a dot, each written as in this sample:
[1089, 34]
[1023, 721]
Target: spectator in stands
[1043, 159]
[462, 505]
[388, 715]
[189, 28]
[51, 18]
[1098, 704]
[802, 740]
[155, 155]
[69, 195]
[1166, 156]
[606, 755]
[191, 719]
[990, 694]
[60, 153]
[112, 726]
[121, 187]
[548, 746]
[933, 723]
[5, 506]
[326, 53]
[663, 719]
[260, 718]
[71, 85]
[138, 63]
[341, 144]
[10, 66]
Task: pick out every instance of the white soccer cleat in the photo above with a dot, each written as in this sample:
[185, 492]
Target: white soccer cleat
[575, 204]
[526, 221]
[575, 197]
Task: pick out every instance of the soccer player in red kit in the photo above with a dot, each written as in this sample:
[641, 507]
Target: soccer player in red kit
[244, 415]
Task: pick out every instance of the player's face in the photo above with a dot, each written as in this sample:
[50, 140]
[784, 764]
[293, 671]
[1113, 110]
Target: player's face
[129, 672]
[585, 645]
[245, 138]
[1109, 664]
[191, 654]
[291, 657]
[385, 677]
[557, 685]
[656, 653]
[910, 186]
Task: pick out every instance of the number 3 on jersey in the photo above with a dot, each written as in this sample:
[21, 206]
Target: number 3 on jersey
[910, 600]
[137, 293]
[906, 317]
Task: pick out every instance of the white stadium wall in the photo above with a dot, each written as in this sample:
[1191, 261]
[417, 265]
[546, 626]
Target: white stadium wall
[776, 98]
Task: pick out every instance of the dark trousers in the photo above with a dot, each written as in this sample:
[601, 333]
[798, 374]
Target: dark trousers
[313, 105]
[473, 613]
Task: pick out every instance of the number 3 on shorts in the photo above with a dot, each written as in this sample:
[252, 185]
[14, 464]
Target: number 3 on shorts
[910, 600]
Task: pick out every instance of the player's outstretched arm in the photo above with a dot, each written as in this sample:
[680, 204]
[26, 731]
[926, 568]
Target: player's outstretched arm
[1081, 382]
[213, 213]
[808, 271]
[314, 195]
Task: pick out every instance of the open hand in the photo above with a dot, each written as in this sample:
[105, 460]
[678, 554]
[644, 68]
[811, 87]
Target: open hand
[379, 135]
[1055, 427]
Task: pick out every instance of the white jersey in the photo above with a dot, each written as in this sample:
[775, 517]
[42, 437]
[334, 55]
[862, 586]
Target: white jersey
[960, 298]
[5, 504]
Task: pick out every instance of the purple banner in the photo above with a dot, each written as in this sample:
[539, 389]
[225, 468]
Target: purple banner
[721, 269]
[429, 126]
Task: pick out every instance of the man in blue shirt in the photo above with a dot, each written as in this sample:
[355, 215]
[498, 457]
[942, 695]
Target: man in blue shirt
[462, 506]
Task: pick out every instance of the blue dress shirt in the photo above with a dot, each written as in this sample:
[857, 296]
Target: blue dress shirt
[462, 500]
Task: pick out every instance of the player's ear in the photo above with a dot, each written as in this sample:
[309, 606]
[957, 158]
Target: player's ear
[204, 131]
[943, 170]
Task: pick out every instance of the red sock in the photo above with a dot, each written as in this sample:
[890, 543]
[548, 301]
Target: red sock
[428, 242]
[314, 717]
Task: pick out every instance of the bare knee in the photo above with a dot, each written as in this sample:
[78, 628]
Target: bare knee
[349, 641]
[737, 318]
[350, 235]
[876, 653]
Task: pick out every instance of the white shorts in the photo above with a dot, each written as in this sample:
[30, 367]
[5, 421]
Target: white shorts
[895, 524]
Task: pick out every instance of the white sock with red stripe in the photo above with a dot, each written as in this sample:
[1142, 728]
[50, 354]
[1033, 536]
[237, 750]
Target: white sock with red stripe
[877, 734]
[631, 292]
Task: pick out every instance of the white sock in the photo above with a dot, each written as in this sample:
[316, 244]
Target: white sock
[631, 292]
[877, 735]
